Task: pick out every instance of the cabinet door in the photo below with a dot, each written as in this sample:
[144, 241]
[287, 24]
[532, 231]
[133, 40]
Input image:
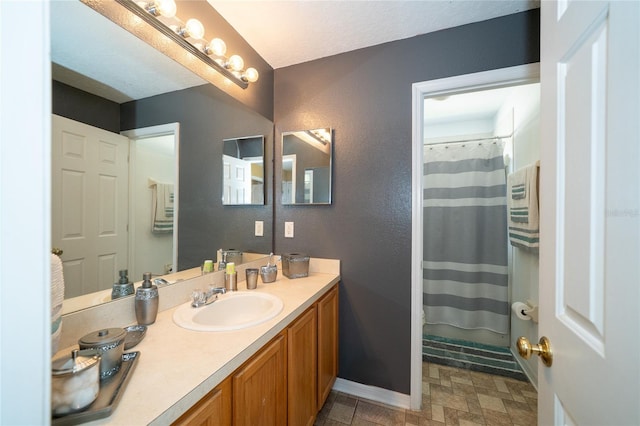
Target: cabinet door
[327, 344]
[212, 410]
[302, 354]
[260, 385]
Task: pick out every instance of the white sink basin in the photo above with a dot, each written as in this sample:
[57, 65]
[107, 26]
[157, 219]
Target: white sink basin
[232, 311]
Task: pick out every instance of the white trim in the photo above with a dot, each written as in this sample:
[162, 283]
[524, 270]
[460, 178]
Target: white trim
[526, 369]
[483, 80]
[148, 132]
[372, 393]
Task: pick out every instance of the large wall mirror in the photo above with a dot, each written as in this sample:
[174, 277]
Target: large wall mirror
[307, 157]
[243, 171]
[197, 112]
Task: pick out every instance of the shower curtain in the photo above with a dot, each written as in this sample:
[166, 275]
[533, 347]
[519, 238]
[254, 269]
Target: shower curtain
[465, 274]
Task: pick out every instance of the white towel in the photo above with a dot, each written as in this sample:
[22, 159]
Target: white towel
[522, 201]
[162, 207]
[57, 298]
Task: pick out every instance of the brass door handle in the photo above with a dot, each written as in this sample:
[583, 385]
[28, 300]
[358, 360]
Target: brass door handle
[542, 349]
[56, 251]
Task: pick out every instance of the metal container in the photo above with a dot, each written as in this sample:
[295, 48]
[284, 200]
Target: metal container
[295, 265]
[75, 383]
[123, 287]
[147, 301]
[252, 278]
[109, 344]
[268, 273]
[232, 256]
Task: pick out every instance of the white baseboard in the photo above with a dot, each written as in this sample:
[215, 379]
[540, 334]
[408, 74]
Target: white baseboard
[526, 368]
[373, 393]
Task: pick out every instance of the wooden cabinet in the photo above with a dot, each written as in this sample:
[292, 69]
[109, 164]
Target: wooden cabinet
[327, 344]
[260, 386]
[302, 346]
[212, 410]
[285, 382]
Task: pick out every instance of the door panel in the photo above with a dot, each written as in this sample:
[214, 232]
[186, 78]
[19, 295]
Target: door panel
[89, 202]
[590, 212]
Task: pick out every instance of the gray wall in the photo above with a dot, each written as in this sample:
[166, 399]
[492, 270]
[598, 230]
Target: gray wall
[75, 104]
[365, 96]
[206, 119]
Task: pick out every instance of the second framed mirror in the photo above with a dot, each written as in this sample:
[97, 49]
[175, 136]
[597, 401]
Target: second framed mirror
[307, 158]
[243, 171]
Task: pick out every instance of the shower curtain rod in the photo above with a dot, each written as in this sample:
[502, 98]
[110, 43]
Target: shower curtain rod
[470, 140]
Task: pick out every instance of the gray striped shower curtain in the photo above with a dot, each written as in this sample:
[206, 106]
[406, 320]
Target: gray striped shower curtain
[465, 273]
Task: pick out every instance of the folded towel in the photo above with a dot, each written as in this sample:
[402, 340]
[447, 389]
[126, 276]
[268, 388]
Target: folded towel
[524, 217]
[57, 298]
[161, 207]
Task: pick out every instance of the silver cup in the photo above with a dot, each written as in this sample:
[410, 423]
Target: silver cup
[252, 278]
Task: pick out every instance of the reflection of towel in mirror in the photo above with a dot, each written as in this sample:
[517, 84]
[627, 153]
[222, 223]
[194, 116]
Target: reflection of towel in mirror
[522, 198]
[162, 208]
[57, 297]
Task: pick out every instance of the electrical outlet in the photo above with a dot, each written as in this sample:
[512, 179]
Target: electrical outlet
[259, 228]
[288, 229]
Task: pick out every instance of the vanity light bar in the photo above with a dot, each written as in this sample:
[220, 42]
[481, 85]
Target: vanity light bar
[223, 68]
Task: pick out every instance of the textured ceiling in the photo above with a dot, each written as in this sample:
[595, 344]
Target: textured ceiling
[93, 54]
[290, 32]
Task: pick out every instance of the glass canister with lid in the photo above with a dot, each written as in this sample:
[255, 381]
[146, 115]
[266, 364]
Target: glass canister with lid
[75, 383]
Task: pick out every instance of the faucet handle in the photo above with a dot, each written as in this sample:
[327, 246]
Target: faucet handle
[198, 297]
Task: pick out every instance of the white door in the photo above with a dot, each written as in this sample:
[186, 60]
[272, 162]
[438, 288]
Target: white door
[236, 181]
[590, 213]
[89, 204]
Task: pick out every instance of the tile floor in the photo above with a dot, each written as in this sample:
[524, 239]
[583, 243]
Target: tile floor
[450, 396]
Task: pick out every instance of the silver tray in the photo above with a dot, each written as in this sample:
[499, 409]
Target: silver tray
[111, 390]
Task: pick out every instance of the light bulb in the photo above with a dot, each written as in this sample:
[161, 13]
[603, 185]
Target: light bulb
[217, 47]
[251, 75]
[194, 28]
[166, 8]
[236, 63]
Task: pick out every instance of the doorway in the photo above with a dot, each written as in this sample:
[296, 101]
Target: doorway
[153, 237]
[442, 89]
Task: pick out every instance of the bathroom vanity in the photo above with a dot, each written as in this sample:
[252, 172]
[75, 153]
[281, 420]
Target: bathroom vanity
[287, 380]
[282, 369]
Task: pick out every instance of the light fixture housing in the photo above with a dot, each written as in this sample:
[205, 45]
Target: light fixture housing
[194, 48]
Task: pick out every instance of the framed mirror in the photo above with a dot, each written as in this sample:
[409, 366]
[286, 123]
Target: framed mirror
[243, 171]
[307, 158]
[94, 87]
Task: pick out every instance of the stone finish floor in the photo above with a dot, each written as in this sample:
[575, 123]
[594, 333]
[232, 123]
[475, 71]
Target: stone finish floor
[450, 396]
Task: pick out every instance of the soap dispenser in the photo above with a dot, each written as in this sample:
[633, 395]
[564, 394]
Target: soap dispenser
[146, 301]
[123, 287]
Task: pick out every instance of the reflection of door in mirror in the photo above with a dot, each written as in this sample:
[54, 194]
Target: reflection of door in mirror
[102, 203]
[316, 185]
[89, 204]
[288, 179]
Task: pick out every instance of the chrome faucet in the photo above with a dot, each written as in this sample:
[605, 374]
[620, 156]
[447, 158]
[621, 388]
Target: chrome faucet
[201, 298]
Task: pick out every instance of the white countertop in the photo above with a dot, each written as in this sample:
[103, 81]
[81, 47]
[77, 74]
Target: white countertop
[177, 367]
